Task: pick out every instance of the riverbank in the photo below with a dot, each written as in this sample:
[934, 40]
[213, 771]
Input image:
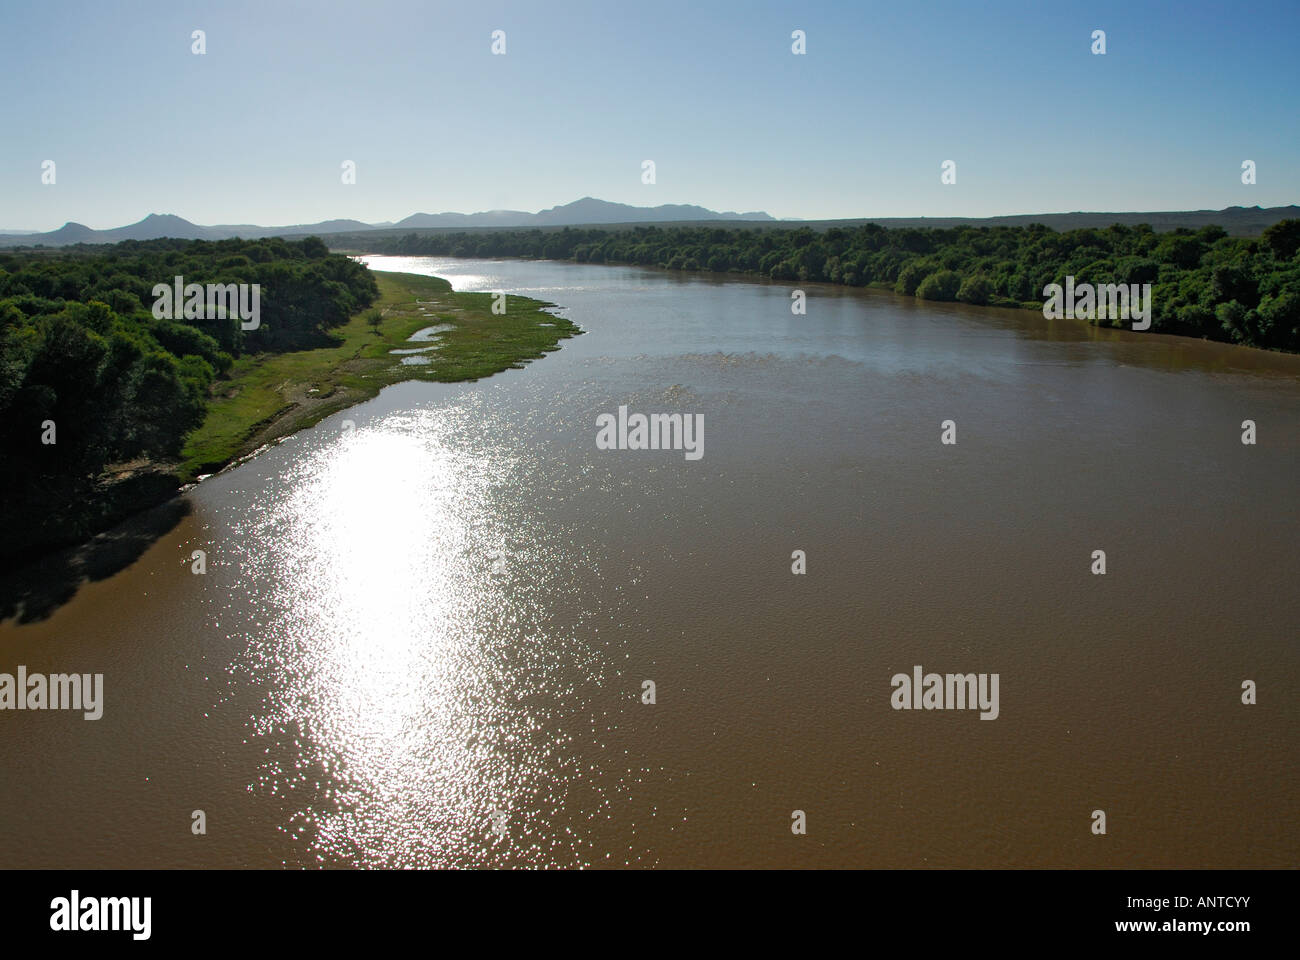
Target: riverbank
[1239, 356]
[1205, 284]
[268, 396]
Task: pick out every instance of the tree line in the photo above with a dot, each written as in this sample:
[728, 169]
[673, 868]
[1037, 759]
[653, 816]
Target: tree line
[1204, 283]
[90, 377]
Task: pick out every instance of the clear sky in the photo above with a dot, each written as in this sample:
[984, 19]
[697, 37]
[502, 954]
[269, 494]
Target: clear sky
[255, 130]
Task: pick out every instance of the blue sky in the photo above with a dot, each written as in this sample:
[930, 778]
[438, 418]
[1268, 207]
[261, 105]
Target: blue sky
[255, 130]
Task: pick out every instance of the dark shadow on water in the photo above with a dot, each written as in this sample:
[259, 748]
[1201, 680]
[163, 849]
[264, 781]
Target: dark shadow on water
[33, 592]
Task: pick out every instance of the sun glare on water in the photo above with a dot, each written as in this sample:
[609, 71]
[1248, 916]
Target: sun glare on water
[391, 652]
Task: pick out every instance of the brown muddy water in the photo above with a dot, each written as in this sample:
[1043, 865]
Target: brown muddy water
[426, 623]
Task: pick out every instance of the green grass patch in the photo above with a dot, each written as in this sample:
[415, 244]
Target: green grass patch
[270, 395]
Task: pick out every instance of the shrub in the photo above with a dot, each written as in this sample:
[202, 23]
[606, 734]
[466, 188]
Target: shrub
[976, 289]
[911, 275]
[940, 286]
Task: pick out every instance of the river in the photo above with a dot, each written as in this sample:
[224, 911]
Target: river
[426, 624]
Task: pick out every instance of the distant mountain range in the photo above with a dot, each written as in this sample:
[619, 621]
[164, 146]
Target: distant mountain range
[588, 210]
[1238, 221]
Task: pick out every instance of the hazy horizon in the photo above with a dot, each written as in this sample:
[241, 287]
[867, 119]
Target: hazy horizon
[13, 231]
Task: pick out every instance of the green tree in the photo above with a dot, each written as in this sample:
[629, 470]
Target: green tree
[1283, 238]
[941, 285]
[977, 290]
[911, 275]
